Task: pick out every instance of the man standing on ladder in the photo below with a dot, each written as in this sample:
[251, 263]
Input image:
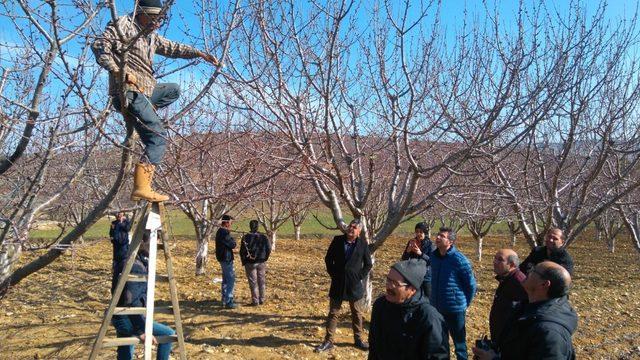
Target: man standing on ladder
[135, 295]
[131, 72]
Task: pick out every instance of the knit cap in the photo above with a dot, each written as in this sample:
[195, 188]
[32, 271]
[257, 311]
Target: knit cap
[413, 271]
[151, 7]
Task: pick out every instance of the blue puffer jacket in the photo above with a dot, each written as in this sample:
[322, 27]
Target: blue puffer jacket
[452, 282]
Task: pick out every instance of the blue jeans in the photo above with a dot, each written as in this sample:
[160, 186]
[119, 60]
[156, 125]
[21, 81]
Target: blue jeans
[228, 281]
[455, 324]
[124, 328]
[148, 123]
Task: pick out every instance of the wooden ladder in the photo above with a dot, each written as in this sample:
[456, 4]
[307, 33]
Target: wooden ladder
[151, 218]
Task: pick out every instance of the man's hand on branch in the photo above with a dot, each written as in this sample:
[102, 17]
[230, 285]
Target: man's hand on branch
[210, 59]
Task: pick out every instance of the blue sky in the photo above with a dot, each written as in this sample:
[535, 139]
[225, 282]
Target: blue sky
[184, 25]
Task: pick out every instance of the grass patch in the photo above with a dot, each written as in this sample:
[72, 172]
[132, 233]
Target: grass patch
[181, 226]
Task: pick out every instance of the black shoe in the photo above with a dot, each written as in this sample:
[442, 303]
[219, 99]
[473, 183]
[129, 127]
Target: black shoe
[230, 305]
[253, 304]
[361, 344]
[325, 346]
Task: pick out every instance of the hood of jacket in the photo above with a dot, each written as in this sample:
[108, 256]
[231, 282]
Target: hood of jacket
[556, 310]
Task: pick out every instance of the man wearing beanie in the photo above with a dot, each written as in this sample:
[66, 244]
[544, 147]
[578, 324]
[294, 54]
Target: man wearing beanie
[421, 247]
[403, 323]
[126, 50]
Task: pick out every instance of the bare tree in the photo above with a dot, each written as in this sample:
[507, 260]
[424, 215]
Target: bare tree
[55, 125]
[514, 230]
[370, 131]
[608, 226]
[582, 157]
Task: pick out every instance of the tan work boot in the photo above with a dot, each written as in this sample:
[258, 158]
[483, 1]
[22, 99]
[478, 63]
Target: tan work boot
[142, 177]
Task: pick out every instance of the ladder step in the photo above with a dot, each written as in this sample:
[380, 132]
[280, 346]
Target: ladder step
[142, 310]
[124, 341]
[143, 278]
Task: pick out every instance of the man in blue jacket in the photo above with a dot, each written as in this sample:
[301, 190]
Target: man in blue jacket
[453, 287]
[225, 243]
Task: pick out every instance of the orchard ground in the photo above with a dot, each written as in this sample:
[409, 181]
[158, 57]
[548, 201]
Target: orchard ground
[55, 314]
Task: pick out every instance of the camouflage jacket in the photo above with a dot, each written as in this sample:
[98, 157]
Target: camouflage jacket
[108, 49]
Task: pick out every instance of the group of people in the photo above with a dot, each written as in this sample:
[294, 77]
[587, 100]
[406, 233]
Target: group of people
[255, 249]
[428, 291]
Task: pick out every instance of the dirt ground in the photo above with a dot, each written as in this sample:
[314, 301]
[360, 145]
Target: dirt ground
[56, 313]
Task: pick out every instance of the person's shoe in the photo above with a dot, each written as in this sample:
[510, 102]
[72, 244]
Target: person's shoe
[361, 344]
[325, 346]
[253, 304]
[261, 302]
[230, 305]
[142, 178]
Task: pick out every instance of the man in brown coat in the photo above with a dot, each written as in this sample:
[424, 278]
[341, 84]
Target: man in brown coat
[509, 293]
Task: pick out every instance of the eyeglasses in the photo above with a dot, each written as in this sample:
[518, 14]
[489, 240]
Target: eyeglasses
[395, 283]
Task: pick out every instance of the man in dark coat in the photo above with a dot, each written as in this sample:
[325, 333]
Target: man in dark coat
[509, 294]
[542, 328]
[119, 234]
[552, 251]
[403, 324]
[421, 247]
[225, 243]
[134, 294]
[348, 262]
[254, 253]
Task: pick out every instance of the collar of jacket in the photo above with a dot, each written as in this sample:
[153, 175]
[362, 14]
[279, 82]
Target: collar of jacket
[450, 251]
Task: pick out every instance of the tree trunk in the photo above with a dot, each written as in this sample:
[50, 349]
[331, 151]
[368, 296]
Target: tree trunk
[611, 244]
[272, 240]
[297, 232]
[514, 237]
[479, 241]
[366, 302]
[202, 253]
[9, 255]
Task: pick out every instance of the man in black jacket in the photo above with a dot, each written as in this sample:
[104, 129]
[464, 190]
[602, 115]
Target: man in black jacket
[134, 294]
[119, 234]
[225, 243]
[552, 251]
[542, 328]
[403, 323]
[421, 247]
[254, 253]
[348, 262]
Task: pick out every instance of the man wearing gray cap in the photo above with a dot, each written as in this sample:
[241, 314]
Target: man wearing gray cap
[403, 324]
